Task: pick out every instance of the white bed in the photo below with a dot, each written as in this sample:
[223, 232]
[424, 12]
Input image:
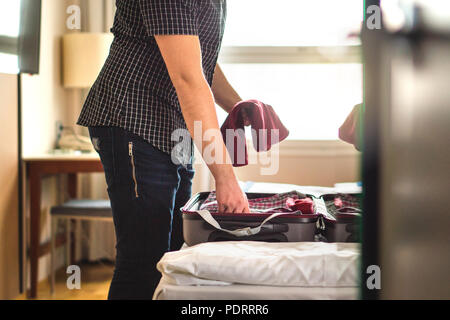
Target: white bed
[252, 292]
[258, 270]
[247, 270]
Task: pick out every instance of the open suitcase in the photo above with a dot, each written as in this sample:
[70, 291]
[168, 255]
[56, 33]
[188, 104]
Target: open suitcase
[278, 227]
[331, 223]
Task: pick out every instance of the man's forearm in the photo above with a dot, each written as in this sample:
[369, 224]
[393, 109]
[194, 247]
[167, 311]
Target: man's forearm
[224, 94]
[197, 104]
[183, 59]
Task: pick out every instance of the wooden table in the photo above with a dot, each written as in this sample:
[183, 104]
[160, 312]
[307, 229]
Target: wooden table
[37, 167]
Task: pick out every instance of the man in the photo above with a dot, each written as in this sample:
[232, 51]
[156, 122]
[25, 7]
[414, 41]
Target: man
[161, 75]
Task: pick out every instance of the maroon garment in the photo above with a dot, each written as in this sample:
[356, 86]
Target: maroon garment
[262, 118]
[306, 205]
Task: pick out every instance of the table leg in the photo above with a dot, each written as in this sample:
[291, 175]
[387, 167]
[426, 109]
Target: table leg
[72, 187]
[72, 190]
[35, 219]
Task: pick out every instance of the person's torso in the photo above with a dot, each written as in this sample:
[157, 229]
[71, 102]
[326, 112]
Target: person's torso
[134, 90]
[135, 57]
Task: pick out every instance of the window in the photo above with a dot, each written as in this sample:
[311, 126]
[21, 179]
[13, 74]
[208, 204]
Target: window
[297, 56]
[9, 32]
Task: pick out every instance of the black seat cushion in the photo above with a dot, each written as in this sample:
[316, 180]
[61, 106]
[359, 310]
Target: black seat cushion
[83, 207]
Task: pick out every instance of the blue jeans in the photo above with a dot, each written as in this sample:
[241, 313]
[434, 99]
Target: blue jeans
[146, 190]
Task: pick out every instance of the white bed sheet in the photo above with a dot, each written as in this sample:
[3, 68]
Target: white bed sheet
[296, 264]
[316, 191]
[257, 270]
[166, 291]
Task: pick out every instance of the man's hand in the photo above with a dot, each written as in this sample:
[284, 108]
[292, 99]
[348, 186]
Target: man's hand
[230, 197]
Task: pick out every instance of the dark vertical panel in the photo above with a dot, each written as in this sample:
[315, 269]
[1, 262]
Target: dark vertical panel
[29, 36]
[405, 161]
[414, 247]
[371, 151]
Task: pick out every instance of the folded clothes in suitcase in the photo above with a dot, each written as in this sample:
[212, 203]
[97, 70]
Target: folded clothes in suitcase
[285, 217]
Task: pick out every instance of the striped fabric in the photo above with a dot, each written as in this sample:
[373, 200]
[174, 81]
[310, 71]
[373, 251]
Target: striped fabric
[133, 90]
[272, 204]
[343, 203]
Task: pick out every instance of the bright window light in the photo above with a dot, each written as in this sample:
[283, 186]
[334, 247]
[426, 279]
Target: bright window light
[9, 28]
[9, 63]
[312, 96]
[9, 17]
[312, 100]
[291, 22]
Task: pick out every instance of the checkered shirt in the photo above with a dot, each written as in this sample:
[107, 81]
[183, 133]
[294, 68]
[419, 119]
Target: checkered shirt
[133, 90]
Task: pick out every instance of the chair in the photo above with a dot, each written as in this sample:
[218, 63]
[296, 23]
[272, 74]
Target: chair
[78, 210]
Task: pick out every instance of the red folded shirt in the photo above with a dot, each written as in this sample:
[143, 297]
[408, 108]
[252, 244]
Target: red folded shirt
[263, 120]
[306, 205]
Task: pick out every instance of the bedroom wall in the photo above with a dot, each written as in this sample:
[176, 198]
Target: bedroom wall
[9, 232]
[319, 163]
[44, 100]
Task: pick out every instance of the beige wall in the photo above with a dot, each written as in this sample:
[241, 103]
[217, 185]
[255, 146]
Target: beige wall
[9, 237]
[44, 100]
[318, 163]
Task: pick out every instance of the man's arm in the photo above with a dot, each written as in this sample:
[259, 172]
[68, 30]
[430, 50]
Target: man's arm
[182, 56]
[224, 94]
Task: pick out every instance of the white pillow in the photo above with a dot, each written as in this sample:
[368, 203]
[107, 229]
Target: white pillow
[304, 264]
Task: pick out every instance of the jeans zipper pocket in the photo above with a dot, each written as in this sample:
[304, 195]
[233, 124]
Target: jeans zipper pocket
[133, 167]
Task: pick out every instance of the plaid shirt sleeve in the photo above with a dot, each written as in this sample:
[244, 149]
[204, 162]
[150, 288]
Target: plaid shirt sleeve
[169, 17]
